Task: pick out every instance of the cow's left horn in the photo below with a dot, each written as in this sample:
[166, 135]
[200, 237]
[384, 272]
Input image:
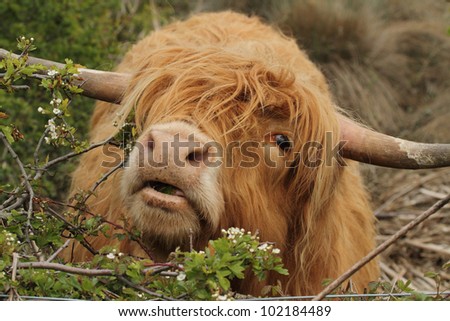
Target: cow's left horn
[102, 85]
[367, 146]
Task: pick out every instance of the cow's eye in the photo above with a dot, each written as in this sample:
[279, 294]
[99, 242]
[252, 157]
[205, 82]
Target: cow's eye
[282, 141]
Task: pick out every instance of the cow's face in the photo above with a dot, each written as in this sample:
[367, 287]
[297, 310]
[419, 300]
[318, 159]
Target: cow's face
[170, 190]
[219, 146]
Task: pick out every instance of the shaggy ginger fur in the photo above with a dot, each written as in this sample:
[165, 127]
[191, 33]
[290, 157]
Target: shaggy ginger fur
[237, 80]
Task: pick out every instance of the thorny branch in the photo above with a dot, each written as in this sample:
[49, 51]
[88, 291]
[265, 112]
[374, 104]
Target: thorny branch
[30, 192]
[20, 199]
[75, 229]
[38, 147]
[71, 155]
[26, 179]
[143, 289]
[103, 179]
[54, 255]
[382, 247]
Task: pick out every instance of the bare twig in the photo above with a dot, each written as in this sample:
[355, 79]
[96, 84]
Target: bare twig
[65, 268]
[36, 250]
[38, 147]
[88, 272]
[13, 295]
[408, 188]
[430, 247]
[383, 246]
[155, 16]
[432, 193]
[19, 201]
[20, 87]
[55, 214]
[191, 240]
[54, 255]
[103, 178]
[73, 154]
[86, 211]
[11, 198]
[29, 188]
[143, 289]
[16, 158]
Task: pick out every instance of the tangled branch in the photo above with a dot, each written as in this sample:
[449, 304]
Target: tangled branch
[382, 247]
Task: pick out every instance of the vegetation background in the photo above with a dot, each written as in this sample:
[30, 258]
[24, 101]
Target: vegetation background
[387, 62]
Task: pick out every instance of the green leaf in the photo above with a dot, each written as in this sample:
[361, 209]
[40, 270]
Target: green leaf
[279, 269]
[223, 281]
[237, 269]
[87, 284]
[9, 69]
[431, 275]
[7, 131]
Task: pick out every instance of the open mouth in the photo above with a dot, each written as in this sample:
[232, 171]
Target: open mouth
[164, 188]
[164, 196]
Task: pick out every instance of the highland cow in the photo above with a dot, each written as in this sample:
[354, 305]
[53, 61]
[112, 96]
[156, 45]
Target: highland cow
[236, 128]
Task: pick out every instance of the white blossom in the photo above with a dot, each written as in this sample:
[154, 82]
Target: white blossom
[276, 251]
[111, 256]
[222, 298]
[52, 73]
[51, 126]
[40, 109]
[181, 276]
[233, 232]
[57, 111]
[263, 247]
[55, 101]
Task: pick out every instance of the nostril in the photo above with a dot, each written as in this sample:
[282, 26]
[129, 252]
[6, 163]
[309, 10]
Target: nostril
[150, 143]
[197, 156]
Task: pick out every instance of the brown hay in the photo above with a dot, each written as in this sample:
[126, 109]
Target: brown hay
[427, 247]
[387, 62]
[379, 63]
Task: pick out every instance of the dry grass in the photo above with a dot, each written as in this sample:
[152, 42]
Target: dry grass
[427, 247]
[388, 63]
[380, 63]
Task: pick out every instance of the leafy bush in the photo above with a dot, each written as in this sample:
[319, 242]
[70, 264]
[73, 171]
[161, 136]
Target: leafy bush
[95, 34]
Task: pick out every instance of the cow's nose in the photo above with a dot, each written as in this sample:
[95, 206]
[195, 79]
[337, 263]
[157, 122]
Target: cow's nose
[174, 147]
